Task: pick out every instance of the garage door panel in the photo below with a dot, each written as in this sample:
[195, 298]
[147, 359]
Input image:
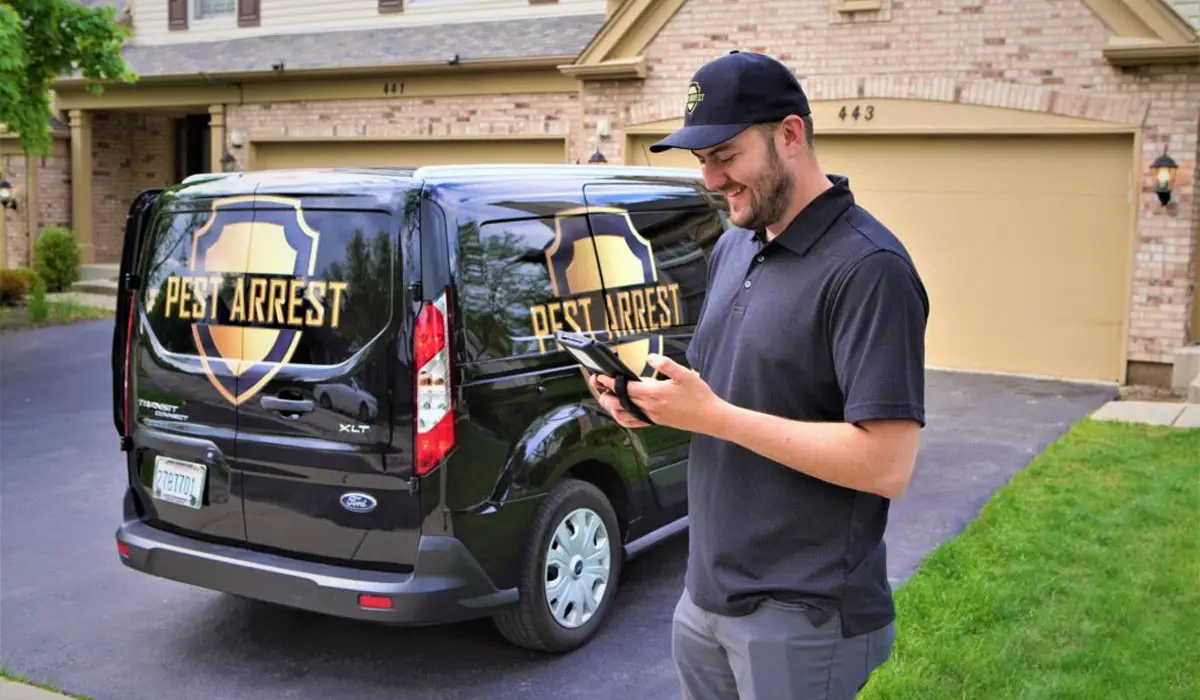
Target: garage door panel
[324, 154]
[1023, 241]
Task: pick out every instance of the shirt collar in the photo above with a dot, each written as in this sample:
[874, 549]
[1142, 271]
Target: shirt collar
[815, 218]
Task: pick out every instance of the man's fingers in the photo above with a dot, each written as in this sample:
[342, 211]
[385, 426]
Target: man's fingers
[612, 404]
[670, 368]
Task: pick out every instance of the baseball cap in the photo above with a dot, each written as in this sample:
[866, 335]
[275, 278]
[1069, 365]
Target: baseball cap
[731, 93]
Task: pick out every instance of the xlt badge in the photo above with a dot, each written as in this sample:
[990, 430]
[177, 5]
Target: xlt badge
[356, 428]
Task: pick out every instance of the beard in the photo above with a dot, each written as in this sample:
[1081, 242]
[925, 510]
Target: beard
[769, 194]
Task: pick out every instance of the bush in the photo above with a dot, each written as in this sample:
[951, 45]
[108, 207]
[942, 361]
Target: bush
[56, 258]
[13, 287]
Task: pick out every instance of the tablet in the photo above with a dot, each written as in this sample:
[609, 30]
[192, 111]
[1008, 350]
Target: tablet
[594, 355]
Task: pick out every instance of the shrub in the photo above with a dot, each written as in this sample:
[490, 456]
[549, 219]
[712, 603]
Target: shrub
[13, 287]
[56, 258]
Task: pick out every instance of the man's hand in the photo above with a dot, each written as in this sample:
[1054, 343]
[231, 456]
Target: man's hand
[683, 400]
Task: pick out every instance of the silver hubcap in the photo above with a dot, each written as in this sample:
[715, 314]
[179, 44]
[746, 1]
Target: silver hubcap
[577, 567]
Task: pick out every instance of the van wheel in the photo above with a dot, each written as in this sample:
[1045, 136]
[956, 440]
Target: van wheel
[570, 565]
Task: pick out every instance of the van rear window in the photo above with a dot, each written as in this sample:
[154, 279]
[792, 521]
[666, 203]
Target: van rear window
[328, 273]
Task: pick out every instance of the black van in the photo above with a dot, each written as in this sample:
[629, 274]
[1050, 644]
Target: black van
[339, 390]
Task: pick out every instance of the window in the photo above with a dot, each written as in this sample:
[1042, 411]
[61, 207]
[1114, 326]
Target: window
[506, 289]
[338, 304]
[207, 9]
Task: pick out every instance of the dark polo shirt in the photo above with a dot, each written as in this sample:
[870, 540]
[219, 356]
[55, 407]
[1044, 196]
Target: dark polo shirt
[825, 323]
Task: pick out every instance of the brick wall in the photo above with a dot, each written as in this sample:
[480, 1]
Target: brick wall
[53, 198]
[403, 117]
[981, 52]
[130, 152]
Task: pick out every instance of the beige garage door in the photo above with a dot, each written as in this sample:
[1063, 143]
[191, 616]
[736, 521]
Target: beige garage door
[308, 154]
[1023, 242]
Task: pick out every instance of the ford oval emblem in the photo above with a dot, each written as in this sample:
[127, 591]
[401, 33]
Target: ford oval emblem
[356, 502]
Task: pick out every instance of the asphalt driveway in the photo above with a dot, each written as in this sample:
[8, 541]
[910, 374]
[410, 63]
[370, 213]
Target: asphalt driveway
[73, 616]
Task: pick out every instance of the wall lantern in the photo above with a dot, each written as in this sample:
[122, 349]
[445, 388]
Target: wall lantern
[7, 201]
[597, 158]
[1164, 169]
[228, 162]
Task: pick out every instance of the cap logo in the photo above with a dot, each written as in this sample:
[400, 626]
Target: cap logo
[694, 97]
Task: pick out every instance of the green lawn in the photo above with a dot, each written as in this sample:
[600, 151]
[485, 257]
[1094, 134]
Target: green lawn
[14, 318]
[1080, 580]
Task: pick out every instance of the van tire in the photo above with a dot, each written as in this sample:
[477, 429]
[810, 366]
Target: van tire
[530, 622]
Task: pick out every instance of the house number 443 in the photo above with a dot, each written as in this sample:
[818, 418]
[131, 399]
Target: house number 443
[859, 112]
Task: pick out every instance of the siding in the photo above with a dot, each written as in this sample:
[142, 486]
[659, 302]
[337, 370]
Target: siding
[300, 16]
[1189, 10]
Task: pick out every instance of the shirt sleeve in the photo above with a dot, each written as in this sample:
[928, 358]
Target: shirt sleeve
[877, 329]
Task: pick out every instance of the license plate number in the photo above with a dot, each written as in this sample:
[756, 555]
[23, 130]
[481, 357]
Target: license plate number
[178, 482]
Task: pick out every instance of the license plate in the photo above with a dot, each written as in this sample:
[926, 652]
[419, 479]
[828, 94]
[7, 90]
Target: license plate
[179, 482]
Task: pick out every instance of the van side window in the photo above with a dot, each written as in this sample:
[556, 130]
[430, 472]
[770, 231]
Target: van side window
[681, 240]
[328, 274]
[506, 286]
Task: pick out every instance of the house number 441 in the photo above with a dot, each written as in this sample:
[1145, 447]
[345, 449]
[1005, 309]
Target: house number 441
[859, 112]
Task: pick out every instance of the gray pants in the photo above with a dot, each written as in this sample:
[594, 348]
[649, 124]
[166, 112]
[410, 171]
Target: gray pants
[775, 653]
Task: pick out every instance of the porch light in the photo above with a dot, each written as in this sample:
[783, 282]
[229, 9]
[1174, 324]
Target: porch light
[1164, 168]
[228, 162]
[597, 158]
[6, 196]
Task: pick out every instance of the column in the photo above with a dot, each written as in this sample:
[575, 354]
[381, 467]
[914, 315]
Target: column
[81, 184]
[216, 127]
[32, 219]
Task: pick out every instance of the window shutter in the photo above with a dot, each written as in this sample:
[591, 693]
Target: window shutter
[177, 14]
[248, 13]
[386, 6]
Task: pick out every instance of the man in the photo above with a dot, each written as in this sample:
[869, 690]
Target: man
[806, 397]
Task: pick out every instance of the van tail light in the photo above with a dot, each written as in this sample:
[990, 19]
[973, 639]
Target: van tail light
[126, 385]
[435, 410]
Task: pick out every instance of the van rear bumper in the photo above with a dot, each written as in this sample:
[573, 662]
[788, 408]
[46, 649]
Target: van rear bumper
[447, 584]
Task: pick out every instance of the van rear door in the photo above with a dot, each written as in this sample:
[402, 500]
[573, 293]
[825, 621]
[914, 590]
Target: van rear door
[324, 305]
[183, 421]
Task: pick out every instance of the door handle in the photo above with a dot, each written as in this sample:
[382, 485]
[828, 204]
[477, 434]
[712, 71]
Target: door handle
[274, 403]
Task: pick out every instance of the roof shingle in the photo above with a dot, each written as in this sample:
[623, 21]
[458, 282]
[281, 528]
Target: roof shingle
[551, 36]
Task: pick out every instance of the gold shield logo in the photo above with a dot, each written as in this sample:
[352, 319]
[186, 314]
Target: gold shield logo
[694, 97]
[602, 266]
[261, 250]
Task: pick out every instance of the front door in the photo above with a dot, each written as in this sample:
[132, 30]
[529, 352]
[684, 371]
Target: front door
[652, 242]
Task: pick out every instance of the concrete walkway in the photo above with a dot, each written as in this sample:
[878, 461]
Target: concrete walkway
[101, 301]
[12, 690]
[1177, 414]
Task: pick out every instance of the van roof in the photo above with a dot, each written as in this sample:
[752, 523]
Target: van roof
[499, 189]
[446, 174]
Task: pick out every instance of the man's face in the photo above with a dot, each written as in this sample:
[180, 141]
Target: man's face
[747, 169]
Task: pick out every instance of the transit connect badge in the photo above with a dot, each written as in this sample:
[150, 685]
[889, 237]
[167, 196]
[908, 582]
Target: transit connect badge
[250, 292]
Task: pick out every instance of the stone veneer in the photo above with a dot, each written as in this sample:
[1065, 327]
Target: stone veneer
[404, 117]
[53, 198]
[131, 152]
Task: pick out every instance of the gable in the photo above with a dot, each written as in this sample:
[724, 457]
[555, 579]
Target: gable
[1145, 31]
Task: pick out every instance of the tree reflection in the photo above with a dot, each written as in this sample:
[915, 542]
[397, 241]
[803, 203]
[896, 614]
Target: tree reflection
[504, 270]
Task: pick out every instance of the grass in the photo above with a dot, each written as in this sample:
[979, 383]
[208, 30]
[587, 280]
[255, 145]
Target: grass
[15, 318]
[9, 675]
[1079, 580]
